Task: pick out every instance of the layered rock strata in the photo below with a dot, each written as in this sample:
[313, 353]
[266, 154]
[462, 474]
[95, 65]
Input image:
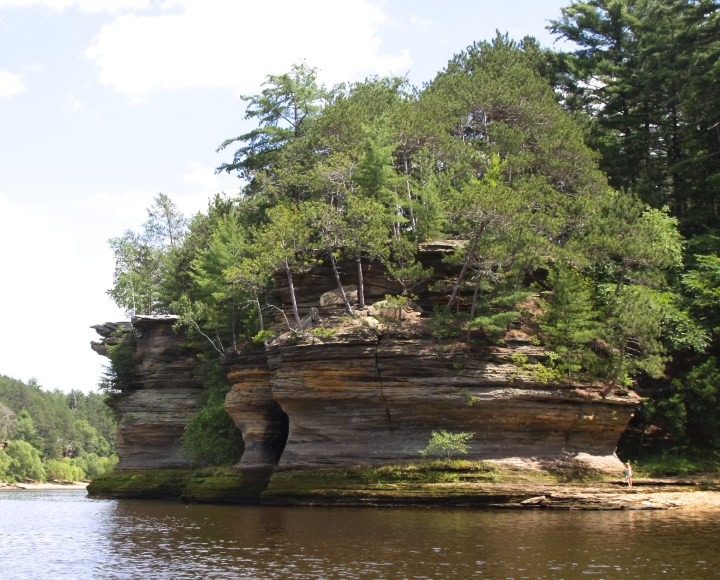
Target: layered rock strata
[370, 397]
[370, 388]
[154, 408]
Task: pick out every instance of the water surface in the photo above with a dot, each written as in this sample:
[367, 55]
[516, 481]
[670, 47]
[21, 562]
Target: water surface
[53, 534]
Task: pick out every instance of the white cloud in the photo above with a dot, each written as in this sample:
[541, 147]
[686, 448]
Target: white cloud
[84, 5]
[77, 104]
[202, 177]
[212, 43]
[10, 84]
[128, 210]
[54, 293]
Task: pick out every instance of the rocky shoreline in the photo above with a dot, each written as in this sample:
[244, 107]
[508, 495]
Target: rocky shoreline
[386, 487]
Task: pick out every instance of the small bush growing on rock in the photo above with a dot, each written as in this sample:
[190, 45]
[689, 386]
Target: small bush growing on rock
[446, 443]
[323, 333]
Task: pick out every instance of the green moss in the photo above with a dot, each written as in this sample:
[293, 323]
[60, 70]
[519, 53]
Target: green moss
[440, 482]
[211, 485]
[141, 484]
[393, 483]
[226, 486]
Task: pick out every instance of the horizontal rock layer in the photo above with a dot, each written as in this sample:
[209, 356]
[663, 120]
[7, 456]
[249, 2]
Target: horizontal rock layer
[366, 389]
[155, 409]
[367, 399]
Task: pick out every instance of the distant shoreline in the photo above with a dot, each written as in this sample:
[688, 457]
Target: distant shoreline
[49, 486]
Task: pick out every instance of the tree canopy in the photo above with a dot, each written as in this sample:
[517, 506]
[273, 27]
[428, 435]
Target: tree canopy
[571, 177]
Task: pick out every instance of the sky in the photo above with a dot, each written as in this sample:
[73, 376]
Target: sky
[106, 103]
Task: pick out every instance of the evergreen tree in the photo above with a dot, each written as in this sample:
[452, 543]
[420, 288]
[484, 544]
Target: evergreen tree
[570, 321]
[284, 110]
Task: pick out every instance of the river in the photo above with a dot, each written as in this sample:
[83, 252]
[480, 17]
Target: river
[62, 534]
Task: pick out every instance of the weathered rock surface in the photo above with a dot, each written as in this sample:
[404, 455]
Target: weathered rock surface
[154, 410]
[367, 397]
[364, 389]
[255, 411]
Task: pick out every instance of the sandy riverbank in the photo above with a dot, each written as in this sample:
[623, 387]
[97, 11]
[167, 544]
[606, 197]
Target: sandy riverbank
[52, 485]
[645, 495]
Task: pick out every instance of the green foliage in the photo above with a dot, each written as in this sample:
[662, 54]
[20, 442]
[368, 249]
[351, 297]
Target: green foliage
[645, 71]
[94, 465]
[56, 426]
[548, 371]
[486, 157]
[702, 286]
[393, 305]
[23, 462]
[144, 262]
[24, 430]
[263, 336]
[676, 462]
[284, 110]
[494, 309]
[4, 465]
[690, 412]
[644, 76]
[122, 372]
[323, 333]
[211, 437]
[445, 323]
[571, 321]
[446, 443]
[65, 469]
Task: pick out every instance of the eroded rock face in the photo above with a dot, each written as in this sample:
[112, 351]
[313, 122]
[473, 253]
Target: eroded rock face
[361, 399]
[374, 389]
[256, 413]
[154, 410]
[364, 389]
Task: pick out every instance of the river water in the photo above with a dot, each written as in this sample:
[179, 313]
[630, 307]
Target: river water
[62, 534]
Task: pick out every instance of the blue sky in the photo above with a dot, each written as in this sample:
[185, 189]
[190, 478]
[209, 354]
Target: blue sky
[105, 103]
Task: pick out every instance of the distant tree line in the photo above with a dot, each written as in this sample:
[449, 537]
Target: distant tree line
[53, 435]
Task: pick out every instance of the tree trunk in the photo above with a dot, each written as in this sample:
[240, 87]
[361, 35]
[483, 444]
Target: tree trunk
[258, 308]
[473, 306]
[360, 283]
[333, 261]
[463, 271]
[293, 300]
[406, 167]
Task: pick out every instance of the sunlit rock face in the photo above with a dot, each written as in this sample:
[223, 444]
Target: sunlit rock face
[154, 410]
[366, 397]
[256, 413]
[370, 388]
[374, 387]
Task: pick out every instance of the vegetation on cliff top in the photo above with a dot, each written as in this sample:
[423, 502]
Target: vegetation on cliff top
[509, 151]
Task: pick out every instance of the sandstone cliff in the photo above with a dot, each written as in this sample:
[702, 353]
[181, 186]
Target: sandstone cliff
[364, 389]
[155, 407]
[372, 395]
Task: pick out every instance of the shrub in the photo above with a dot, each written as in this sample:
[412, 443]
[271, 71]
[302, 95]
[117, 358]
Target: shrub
[24, 462]
[64, 469]
[211, 437]
[447, 443]
[94, 465]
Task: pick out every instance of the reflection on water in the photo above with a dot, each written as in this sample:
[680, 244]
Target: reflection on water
[63, 534]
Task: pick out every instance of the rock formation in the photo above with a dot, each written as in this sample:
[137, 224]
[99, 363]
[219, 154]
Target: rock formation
[155, 407]
[366, 396]
[365, 389]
